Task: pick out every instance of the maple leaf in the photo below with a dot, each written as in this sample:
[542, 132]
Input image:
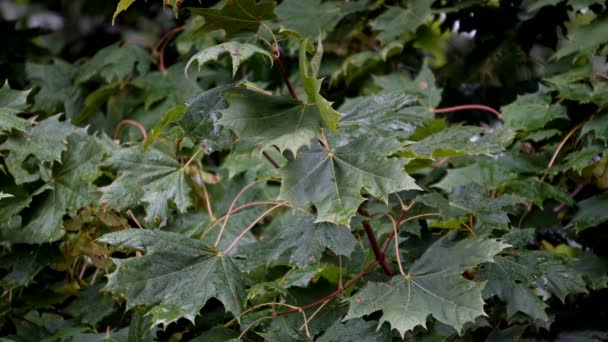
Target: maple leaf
[305, 240]
[270, 120]
[332, 179]
[432, 286]
[176, 276]
[237, 16]
[11, 103]
[238, 52]
[149, 177]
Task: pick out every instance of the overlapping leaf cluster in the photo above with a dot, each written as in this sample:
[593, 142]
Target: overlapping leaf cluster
[321, 175]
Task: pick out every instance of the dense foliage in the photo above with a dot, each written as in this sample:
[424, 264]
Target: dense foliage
[304, 170]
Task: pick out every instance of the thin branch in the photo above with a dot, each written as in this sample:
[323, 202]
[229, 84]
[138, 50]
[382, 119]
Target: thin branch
[332, 295]
[238, 238]
[397, 253]
[141, 128]
[276, 54]
[560, 146]
[272, 161]
[374, 243]
[206, 194]
[134, 218]
[159, 47]
[466, 107]
[401, 222]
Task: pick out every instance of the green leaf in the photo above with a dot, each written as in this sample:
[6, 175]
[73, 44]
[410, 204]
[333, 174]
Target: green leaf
[399, 23]
[172, 115]
[57, 90]
[309, 71]
[585, 38]
[311, 18]
[237, 16]
[513, 279]
[354, 330]
[200, 121]
[149, 177]
[122, 6]
[305, 241]
[432, 286]
[387, 113]
[332, 179]
[531, 112]
[180, 275]
[69, 189]
[599, 125]
[592, 212]
[46, 142]
[491, 213]
[25, 263]
[11, 103]
[91, 305]
[238, 52]
[115, 63]
[461, 140]
[269, 120]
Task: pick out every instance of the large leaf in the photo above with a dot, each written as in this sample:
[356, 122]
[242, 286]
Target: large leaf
[237, 16]
[399, 23]
[46, 142]
[311, 18]
[176, 276]
[56, 88]
[333, 179]
[24, 263]
[269, 120]
[305, 241]
[513, 279]
[432, 286]
[151, 177]
[238, 52]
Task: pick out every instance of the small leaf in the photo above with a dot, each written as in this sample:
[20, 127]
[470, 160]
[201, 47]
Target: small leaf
[172, 115]
[11, 103]
[531, 112]
[150, 177]
[313, 17]
[312, 86]
[585, 38]
[398, 23]
[432, 286]
[237, 16]
[592, 212]
[513, 279]
[122, 6]
[462, 140]
[238, 52]
[181, 275]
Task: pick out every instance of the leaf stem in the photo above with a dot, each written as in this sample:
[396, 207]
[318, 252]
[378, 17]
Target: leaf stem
[141, 128]
[219, 236]
[238, 238]
[374, 243]
[466, 107]
[272, 161]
